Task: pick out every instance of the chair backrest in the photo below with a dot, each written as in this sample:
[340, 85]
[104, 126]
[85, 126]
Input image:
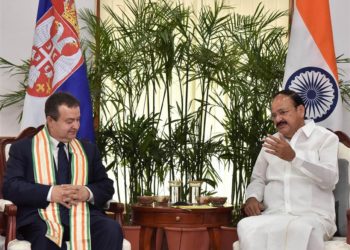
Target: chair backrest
[342, 189]
[5, 143]
[344, 138]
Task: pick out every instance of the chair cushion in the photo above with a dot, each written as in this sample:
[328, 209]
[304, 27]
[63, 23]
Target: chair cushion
[25, 245]
[235, 245]
[19, 245]
[4, 202]
[126, 246]
[2, 242]
[338, 243]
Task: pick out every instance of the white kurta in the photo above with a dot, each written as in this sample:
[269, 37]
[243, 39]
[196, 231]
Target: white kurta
[297, 195]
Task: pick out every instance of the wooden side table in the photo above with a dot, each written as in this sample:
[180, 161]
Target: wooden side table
[150, 218]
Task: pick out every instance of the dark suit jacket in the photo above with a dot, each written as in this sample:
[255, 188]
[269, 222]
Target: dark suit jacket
[20, 187]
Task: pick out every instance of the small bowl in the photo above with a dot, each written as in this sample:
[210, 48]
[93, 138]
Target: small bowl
[217, 201]
[203, 199]
[145, 200]
[161, 199]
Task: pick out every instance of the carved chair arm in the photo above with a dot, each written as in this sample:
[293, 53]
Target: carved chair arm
[10, 222]
[115, 210]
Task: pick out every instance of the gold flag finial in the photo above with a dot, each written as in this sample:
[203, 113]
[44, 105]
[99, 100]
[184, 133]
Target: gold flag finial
[70, 14]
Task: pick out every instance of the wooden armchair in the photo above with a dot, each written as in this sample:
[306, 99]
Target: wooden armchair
[342, 198]
[8, 216]
[342, 190]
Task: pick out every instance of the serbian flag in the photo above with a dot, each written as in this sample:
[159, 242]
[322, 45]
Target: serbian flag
[57, 64]
[311, 69]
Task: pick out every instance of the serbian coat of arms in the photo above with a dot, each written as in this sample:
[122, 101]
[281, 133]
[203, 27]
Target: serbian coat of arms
[56, 53]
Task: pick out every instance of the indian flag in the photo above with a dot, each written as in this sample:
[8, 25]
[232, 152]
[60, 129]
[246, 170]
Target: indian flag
[311, 68]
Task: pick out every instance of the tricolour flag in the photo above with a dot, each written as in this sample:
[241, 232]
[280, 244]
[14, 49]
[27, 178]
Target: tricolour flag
[57, 64]
[311, 67]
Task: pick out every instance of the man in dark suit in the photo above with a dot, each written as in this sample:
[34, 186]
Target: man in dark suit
[60, 185]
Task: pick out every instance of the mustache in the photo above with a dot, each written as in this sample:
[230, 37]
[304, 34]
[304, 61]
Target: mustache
[281, 123]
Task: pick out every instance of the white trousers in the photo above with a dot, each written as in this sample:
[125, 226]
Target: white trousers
[281, 232]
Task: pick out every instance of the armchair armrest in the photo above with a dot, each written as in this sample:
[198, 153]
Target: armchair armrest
[115, 210]
[10, 222]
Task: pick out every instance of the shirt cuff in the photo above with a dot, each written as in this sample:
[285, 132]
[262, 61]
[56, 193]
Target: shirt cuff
[48, 198]
[91, 196]
[253, 196]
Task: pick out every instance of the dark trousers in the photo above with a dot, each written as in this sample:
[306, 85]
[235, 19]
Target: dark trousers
[106, 234]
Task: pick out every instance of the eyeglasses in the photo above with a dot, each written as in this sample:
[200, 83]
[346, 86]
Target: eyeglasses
[280, 112]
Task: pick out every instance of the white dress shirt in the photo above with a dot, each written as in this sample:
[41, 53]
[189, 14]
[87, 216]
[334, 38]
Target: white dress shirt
[304, 185]
[54, 149]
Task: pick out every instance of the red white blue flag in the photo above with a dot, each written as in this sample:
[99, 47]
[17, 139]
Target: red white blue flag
[57, 64]
[311, 68]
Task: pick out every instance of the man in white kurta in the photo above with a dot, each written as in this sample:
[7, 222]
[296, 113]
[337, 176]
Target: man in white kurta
[290, 202]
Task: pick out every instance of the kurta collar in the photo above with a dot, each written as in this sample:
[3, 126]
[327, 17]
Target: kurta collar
[308, 127]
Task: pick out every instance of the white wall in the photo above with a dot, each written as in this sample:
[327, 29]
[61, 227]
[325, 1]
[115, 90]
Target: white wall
[17, 20]
[17, 23]
[341, 23]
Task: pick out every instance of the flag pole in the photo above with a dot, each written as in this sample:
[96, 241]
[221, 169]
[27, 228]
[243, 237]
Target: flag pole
[98, 8]
[97, 97]
[290, 16]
